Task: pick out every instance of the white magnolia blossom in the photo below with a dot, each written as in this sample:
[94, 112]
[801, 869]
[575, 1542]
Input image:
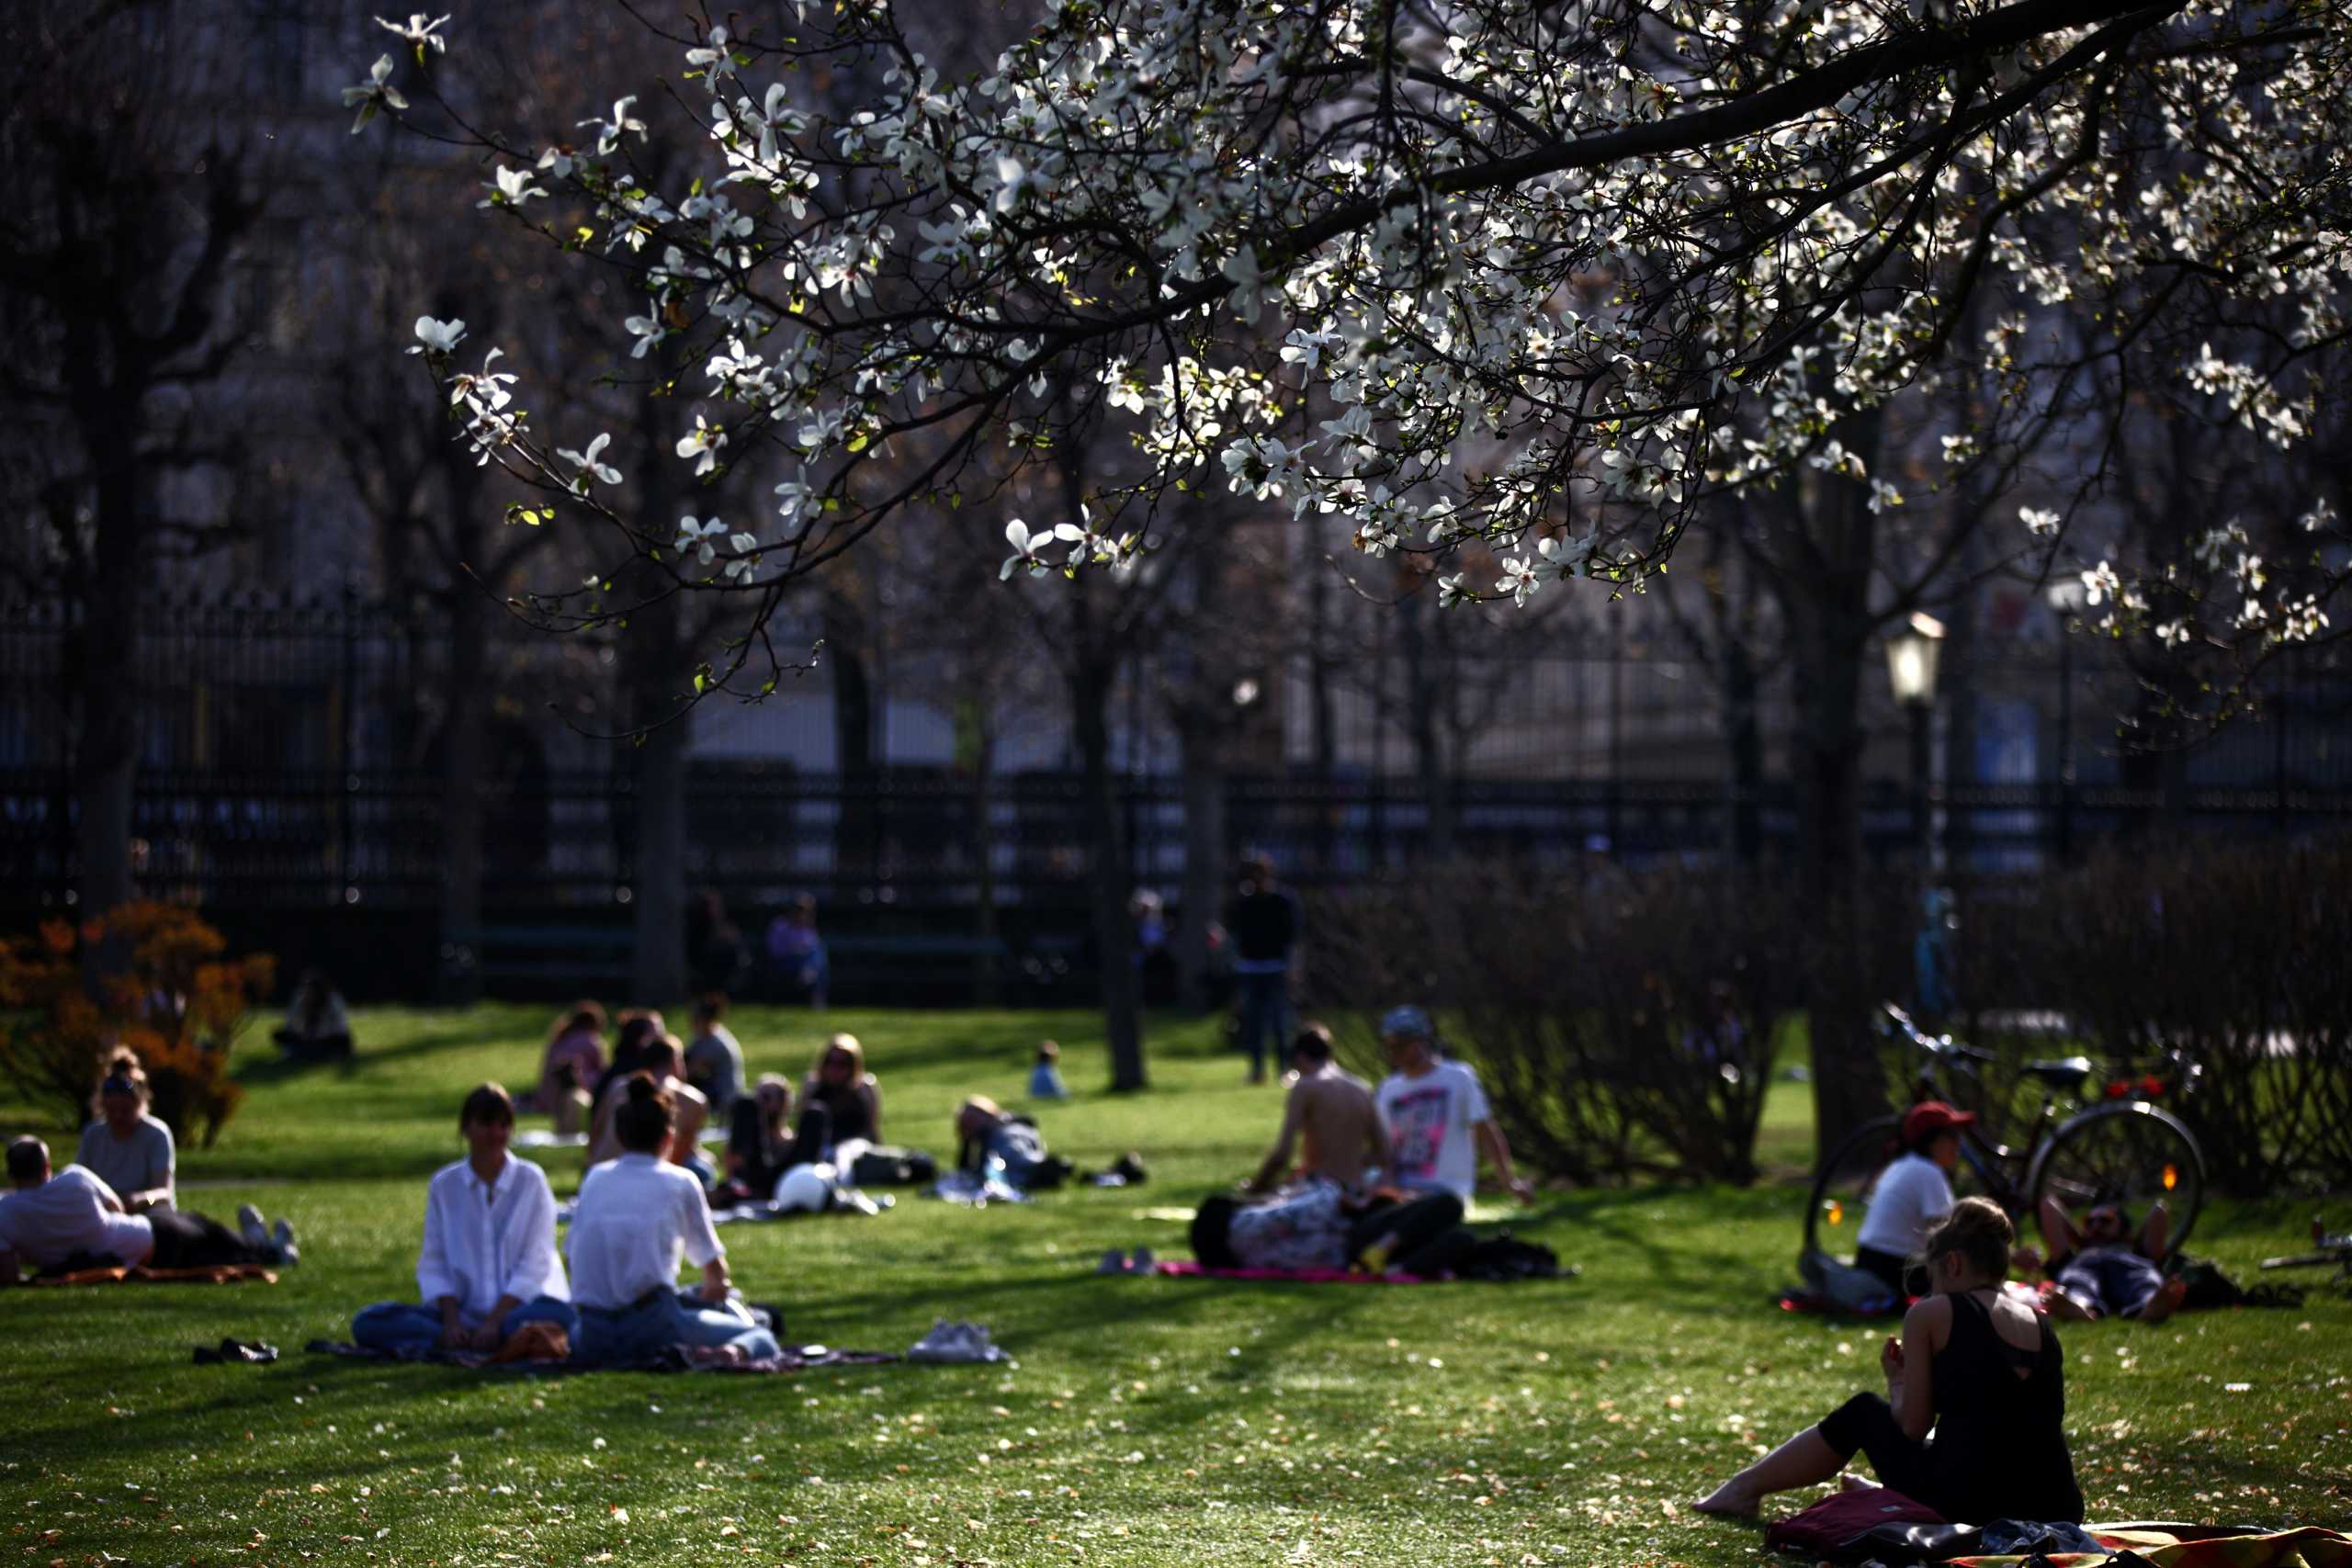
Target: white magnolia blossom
[375, 93]
[418, 33]
[509, 187]
[695, 538]
[1527, 287]
[437, 338]
[590, 465]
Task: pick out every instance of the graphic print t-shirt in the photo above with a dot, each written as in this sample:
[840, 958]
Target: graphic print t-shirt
[1429, 1121]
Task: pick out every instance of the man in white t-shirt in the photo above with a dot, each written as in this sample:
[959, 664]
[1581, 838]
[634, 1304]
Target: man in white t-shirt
[1436, 1115]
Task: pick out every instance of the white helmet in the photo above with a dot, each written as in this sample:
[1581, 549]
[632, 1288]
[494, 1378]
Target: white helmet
[807, 1187]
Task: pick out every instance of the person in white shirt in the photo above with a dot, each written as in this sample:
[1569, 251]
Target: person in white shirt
[1912, 1195]
[1437, 1115]
[71, 1219]
[489, 1265]
[637, 1216]
[125, 1147]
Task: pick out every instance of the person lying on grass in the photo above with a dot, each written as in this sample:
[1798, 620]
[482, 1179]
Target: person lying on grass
[2102, 1267]
[637, 1216]
[489, 1266]
[1329, 1119]
[1981, 1368]
[991, 1141]
[125, 1147]
[1318, 1225]
[71, 1220]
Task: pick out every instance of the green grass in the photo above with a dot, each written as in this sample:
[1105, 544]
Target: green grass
[1144, 1421]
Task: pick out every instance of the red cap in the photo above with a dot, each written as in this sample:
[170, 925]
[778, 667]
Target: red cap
[1930, 1117]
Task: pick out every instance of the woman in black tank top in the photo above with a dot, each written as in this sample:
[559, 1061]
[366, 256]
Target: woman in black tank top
[1997, 1407]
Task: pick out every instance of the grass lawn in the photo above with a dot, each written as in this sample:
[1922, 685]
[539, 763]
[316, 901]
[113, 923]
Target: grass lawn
[1142, 1420]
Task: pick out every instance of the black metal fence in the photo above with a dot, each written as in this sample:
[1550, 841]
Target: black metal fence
[290, 769]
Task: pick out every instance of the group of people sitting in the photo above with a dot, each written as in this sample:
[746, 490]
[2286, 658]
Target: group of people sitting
[1364, 1179]
[489, 1277]
[117, 1205]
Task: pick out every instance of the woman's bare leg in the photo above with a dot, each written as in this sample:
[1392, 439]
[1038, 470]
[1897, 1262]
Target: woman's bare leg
[1802, 1461]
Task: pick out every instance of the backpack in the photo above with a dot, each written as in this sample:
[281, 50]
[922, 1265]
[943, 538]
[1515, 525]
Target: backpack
[1849, 1288]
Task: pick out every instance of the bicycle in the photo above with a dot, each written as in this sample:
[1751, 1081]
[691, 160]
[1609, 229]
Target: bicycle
[2327, 1249]
[2117, 1149]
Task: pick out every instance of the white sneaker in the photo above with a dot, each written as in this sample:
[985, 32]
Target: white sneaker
[252, 1225]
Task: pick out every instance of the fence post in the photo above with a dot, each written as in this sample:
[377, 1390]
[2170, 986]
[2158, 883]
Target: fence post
[347, 771]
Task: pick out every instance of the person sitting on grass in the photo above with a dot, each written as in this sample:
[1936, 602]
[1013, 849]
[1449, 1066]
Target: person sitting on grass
[1329, 1118]
[2101, 1268]
[69, 1220]
[850, 1097]
[573, 1063]
[637, 1216]
[489, 1266]
[1978, 1367]
[317, 1026]
[1912, 1194]
[125, 1147]
[715, 1057]
[1319, 1226]
[760, 1143]
[1437, 1115]
[637, 1030]
[665, 1060]
[1045, 1078]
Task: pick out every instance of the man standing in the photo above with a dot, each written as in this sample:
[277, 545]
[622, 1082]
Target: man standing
[73, 1218]
[1437, 1115]
[1262, 921]
[1331, 1110]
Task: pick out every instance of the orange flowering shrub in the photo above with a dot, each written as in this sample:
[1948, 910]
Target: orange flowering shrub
[148, 975]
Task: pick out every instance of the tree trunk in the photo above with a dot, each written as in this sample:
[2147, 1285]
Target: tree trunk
[106, 755]
[1114, 936]
[856, 856]
[987, 970]
[1325, 727]
[1744, 736]
[464, 746]
[1205, 859]
[1421, 725]
[1958, 681]
[658, 764]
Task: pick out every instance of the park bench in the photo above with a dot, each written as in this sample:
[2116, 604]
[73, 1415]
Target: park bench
[570, 956]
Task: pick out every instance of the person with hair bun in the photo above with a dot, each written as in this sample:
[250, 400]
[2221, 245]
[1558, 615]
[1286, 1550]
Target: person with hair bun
[489, 1266]
[1980, 1367]
[128, 1149]
[637, 1216]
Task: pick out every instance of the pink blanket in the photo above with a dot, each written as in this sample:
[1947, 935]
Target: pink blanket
[1184, 1267]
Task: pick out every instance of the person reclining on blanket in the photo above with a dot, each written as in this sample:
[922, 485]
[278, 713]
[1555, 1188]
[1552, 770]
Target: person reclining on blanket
[2099, 1271]
[636, 1216]
[73, 1220]
[1319, 1226]
[125, 1147]
[1330, 1111]
[489, 1266]
[1437, 1115]
[1981, 1368]
[992, 1143]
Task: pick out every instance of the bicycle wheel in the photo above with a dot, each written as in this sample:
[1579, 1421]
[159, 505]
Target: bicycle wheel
[2133, 1155]
[1833, 1216]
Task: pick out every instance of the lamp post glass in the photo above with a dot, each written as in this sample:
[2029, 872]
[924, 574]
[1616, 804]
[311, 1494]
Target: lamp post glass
[1912, 656]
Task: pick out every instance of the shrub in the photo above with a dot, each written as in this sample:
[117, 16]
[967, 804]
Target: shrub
[2235, 954]
[147, 976]
[1621, 1027]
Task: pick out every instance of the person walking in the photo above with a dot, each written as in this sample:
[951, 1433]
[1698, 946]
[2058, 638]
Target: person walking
[1264, 923]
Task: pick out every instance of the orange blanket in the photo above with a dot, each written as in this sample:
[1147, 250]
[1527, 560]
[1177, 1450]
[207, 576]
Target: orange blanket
[219, 1274]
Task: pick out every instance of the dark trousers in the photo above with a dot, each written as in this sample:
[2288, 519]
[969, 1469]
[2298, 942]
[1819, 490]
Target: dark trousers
[1901, 1276]
[190, 1241]
[1425, 1236]
[1866, 1425]
[1265, 1021]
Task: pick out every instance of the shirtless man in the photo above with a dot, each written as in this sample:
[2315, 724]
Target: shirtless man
[1332, 1110]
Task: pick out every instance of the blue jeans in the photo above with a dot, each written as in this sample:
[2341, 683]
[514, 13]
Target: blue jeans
[2111, 1280]
[626, 1335]
[1265, 1021]
[412, 1326]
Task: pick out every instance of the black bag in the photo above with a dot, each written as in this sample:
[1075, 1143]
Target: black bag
[893, 1168]
[1505, 1257]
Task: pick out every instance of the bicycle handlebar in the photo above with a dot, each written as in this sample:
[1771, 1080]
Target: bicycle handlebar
[1934, 1046]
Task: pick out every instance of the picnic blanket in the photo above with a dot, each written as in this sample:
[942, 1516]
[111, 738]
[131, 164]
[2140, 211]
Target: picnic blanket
[219, 1274]
[2189, 1546]
[1185, 1268]
[677, 1358]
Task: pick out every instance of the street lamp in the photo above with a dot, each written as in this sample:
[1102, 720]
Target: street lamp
[1912, 655]
[2065, 596]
